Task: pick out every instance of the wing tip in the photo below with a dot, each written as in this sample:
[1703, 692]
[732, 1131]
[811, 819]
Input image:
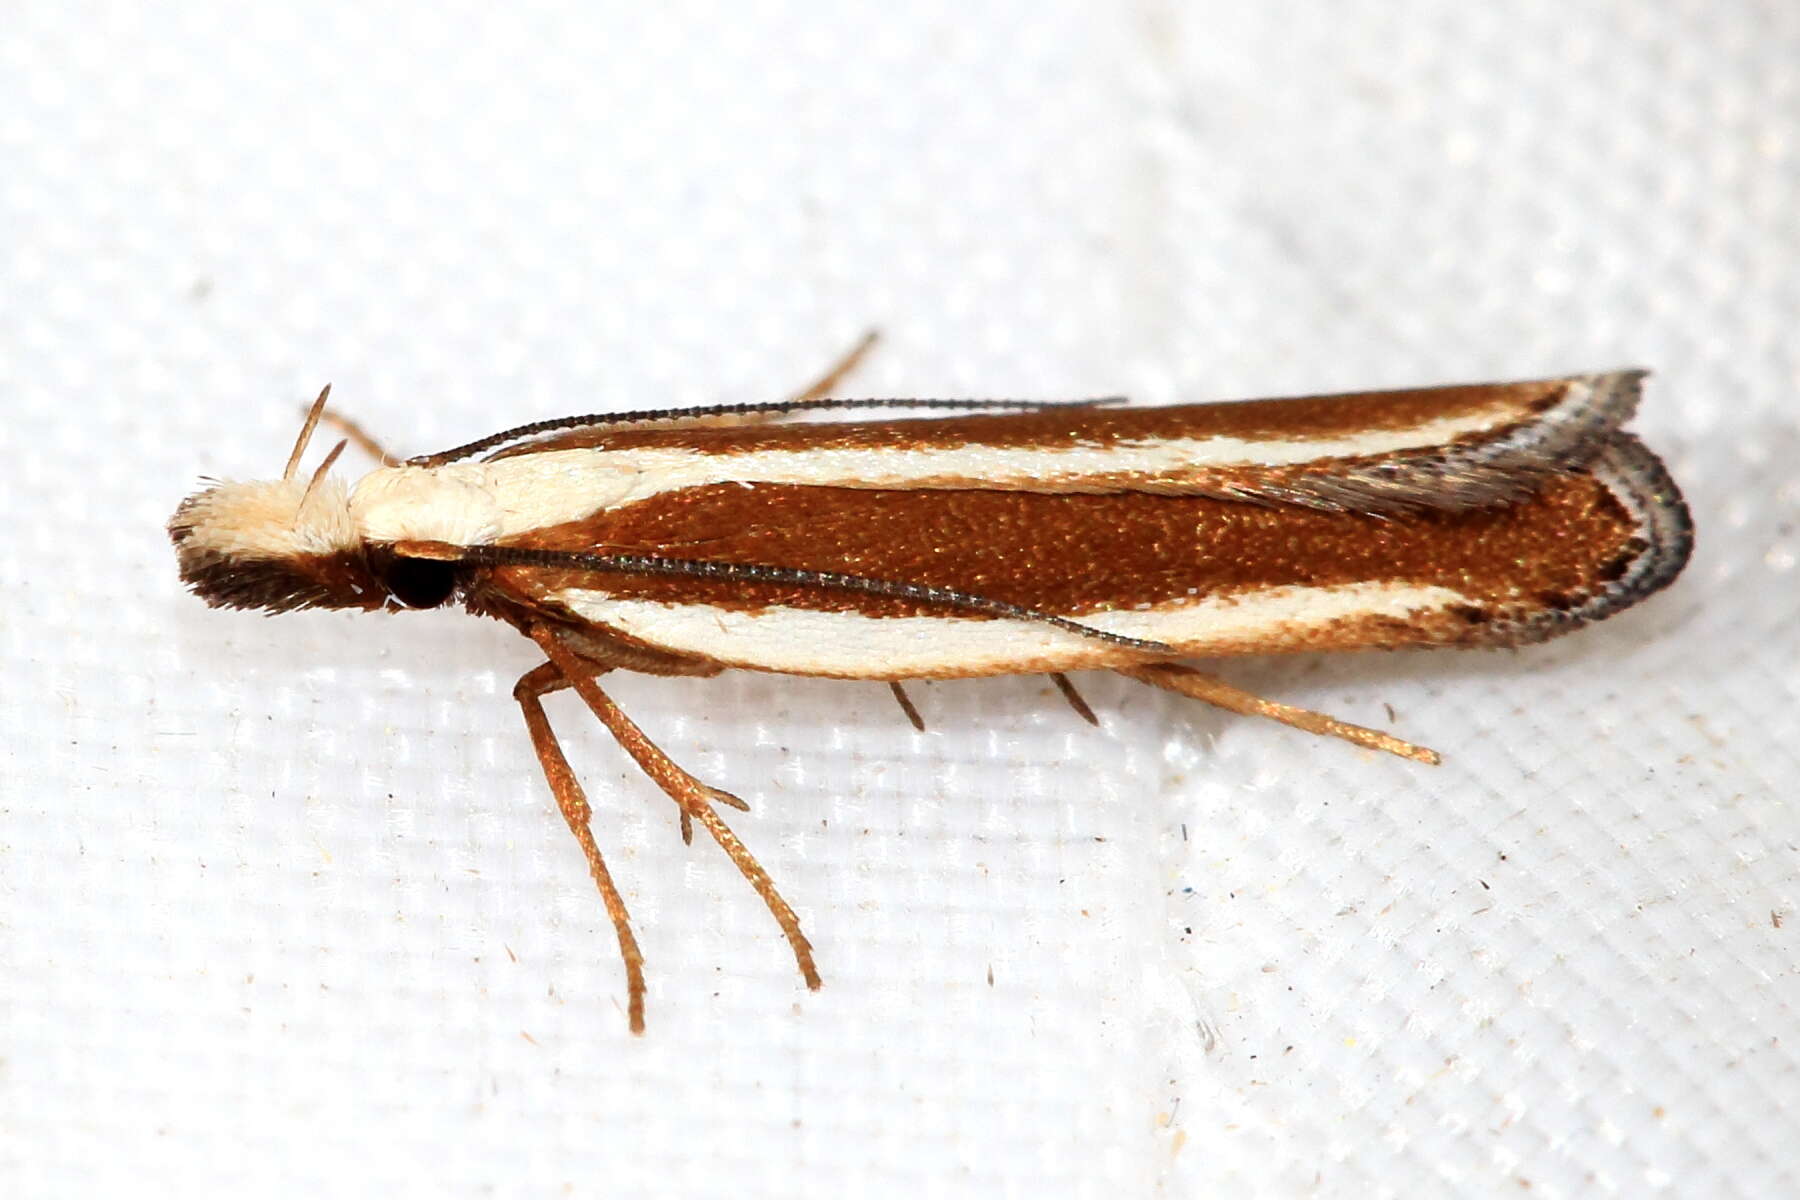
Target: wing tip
[1603, 401]
[1661, 545]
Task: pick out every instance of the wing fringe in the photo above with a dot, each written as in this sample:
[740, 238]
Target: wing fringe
[1498, 466]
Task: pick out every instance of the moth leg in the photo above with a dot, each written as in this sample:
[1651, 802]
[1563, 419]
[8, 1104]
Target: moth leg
[575, 810]
[822, 386]
[695, 799]
[360, 438]
[818, 389]
[907, 706]
[1074, 698]
[1215, 691]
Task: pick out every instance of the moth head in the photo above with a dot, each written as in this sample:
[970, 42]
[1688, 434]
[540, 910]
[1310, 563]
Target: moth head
[290, 543]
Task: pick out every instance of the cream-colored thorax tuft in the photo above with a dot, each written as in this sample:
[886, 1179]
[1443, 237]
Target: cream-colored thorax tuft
[435, 504]
[471, 504]
[468, 504]
[269, 519]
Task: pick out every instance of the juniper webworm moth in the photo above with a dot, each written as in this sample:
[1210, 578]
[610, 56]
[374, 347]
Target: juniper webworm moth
[1013, 537]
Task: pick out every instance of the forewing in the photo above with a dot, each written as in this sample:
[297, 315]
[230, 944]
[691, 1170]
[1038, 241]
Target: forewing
[1443, 449]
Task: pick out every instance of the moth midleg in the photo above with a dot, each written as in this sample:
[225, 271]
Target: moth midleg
[818, 389]
[1062, 685]
[838, 371]
[1215, 691]
[907, 706]
[694, 798]
[576, 811]
[1074, 698]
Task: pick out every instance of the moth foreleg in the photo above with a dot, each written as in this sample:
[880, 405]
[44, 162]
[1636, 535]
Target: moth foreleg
[576, 811]
[1195, 685]
[694, 798]
[360, 438]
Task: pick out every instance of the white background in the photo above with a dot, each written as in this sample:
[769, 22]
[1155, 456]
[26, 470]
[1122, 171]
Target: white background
[287, 909]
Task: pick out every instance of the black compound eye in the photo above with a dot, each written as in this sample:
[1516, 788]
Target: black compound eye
[420, 582]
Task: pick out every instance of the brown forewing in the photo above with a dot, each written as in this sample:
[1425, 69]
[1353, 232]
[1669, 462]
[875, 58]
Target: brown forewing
[1077, 555]
[1300, 419]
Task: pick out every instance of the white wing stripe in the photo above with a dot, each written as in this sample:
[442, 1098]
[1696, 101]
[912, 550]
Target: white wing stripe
[848, 644]
[512, 496]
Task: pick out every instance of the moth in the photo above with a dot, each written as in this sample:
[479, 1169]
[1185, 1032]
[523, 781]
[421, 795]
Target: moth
[1012, 537]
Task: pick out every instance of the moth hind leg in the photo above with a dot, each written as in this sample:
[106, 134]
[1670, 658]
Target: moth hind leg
[1212, 690]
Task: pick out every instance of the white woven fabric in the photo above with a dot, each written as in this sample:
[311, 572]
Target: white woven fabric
[287, 909]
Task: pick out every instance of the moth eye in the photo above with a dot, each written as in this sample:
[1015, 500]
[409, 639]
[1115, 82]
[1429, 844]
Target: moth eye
[420, 582]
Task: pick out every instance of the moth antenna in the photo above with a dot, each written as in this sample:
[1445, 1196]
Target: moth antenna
[490, 555]
[324, 467]
[754, 408]
[306, 432]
